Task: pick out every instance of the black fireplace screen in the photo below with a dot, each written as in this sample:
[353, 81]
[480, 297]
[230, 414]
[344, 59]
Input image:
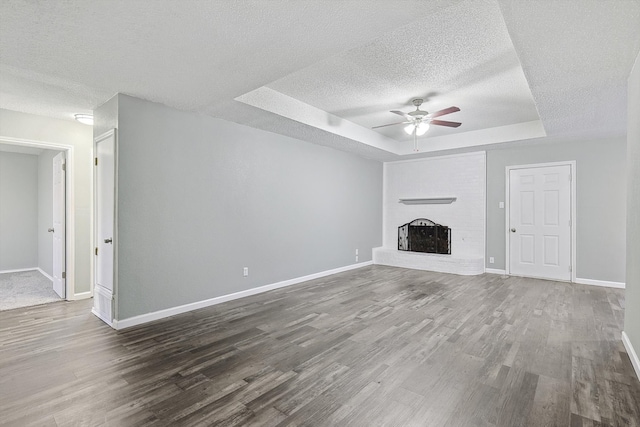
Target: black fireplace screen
[423, 235]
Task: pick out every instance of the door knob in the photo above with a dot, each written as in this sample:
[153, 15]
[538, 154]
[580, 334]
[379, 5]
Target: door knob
[513, 230]
[109, 240]
[50, 230]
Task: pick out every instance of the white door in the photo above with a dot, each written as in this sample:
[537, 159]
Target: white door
[59, 233]
[105, 202]
[540, 222]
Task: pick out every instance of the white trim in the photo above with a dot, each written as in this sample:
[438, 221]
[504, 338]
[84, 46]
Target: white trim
[161, 314]
[82, 295]
[44, 274]
[19, 270]
[436, 157]
[32, 143]
[572, 168]
[495, 271]
[605, 283]
[70, 229]
[107, 321]
[635, 361]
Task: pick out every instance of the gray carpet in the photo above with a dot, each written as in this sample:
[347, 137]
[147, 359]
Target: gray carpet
[25, 289]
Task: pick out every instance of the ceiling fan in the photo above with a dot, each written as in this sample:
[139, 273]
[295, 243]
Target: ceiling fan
[418, 121]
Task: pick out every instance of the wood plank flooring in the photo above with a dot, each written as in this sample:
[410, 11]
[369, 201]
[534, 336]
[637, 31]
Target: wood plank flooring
[377, 346]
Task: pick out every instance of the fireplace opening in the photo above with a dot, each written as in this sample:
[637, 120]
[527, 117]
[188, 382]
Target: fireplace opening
[423, 235]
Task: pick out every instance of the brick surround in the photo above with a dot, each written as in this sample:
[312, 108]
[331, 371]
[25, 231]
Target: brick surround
[462, 176]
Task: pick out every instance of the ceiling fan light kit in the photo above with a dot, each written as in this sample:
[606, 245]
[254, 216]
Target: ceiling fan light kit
[419, 128]
[417, 122]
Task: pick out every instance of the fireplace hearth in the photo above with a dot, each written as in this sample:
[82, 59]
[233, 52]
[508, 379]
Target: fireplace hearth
[424, 235]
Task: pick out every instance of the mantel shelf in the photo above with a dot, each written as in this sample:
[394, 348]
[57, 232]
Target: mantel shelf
[429, 201]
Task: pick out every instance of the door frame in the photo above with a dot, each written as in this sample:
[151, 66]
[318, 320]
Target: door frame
[572, 168]
[112, 132]
[70, 229]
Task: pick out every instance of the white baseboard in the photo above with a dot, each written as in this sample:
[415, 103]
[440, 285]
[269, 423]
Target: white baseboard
[604, 283]
[161, 314]
[44, 274]
[82, 295]
[19, 270]
[101, 317]
[619, 285]
[632, 353]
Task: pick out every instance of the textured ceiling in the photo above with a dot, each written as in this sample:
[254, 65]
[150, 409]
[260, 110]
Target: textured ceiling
[577, 58]
[326, 72]
[443, 58]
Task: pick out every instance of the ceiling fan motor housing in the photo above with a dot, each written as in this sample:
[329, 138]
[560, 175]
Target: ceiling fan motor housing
[418, 113]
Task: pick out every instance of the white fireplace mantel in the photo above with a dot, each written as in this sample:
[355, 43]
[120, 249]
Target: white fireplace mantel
[428, 200]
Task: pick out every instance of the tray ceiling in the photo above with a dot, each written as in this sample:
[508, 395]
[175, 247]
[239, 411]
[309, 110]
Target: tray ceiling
[517, 69]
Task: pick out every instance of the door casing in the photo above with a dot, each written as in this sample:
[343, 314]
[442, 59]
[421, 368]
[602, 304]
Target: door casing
[508, 169]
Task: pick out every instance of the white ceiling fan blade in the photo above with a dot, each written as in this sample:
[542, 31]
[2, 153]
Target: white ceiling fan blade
[390, 124]
[400, 113]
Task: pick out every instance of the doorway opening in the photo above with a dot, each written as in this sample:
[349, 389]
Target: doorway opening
[62, 262]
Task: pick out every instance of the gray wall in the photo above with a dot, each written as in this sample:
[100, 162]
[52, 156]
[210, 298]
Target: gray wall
[632, 294]
[45, 210]
[14, 124]
[18, 211]
[201, 198]
[600, 197]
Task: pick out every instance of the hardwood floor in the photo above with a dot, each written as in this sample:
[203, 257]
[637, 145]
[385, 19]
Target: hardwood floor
[370, 347]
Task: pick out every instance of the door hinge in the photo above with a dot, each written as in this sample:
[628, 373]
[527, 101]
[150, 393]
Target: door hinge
[96, 251]
[64, 274]
[64, 166]
[96, 161]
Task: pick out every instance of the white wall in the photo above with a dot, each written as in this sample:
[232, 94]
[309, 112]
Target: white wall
[37, 128]
[461, 176]
[18, 211]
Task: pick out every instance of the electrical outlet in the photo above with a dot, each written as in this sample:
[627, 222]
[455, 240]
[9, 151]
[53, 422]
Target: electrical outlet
[245, 271]
[491, 260]
[501, 205]
[356, 252]
[356, 258]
